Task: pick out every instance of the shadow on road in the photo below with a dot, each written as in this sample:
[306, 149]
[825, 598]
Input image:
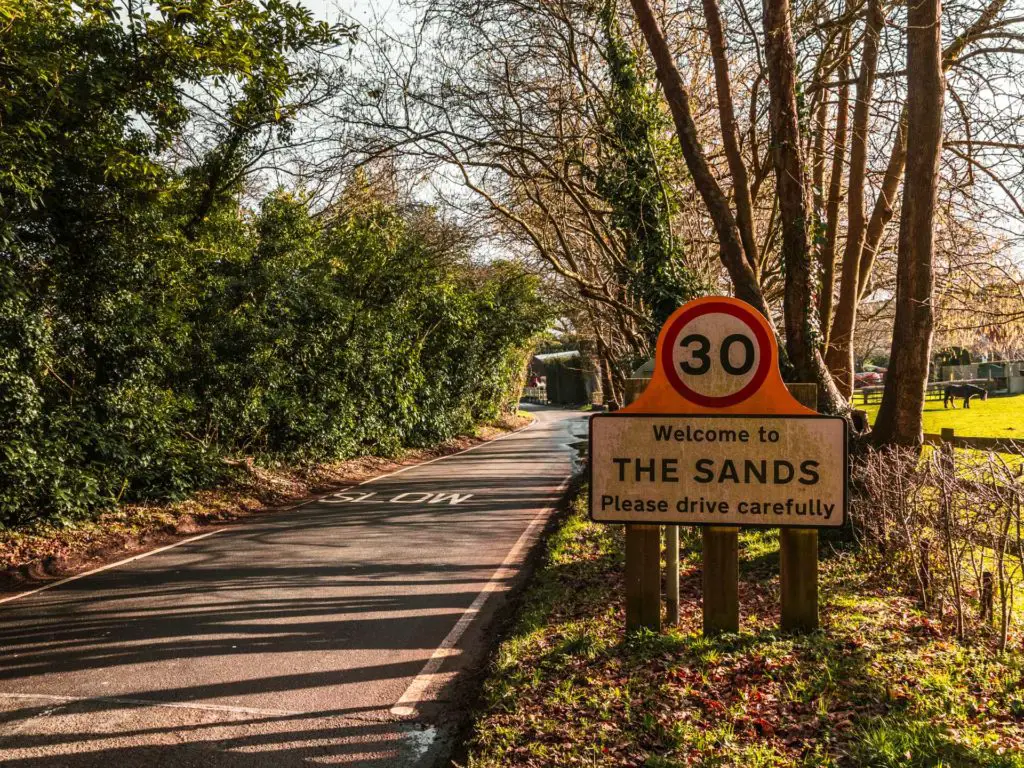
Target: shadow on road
[281, 642]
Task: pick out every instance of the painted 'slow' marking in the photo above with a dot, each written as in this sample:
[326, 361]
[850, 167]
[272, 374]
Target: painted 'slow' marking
[408, 497]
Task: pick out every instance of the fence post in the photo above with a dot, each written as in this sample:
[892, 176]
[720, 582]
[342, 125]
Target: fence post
[798, 555]
[946, 449]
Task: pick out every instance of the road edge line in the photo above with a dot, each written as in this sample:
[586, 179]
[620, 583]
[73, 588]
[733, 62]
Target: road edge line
[158, 550]
[199, 706]
[108, 566]
[407, 703]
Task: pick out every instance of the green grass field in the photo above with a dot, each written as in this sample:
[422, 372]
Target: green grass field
[995, 417]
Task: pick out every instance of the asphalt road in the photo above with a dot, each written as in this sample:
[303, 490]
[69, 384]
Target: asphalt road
[333, 634]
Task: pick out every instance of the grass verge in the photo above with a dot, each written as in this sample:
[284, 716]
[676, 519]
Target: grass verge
[880, 685]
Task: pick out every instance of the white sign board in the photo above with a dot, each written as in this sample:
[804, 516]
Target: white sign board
[710, 469]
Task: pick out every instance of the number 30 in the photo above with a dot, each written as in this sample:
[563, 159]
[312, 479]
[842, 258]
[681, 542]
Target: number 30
[700, 361]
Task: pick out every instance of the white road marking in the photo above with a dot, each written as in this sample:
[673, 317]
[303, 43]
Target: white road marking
[157, 551]
[413, 695]
[107, 567]
[319, 499]
[151, 703]
[418, 497]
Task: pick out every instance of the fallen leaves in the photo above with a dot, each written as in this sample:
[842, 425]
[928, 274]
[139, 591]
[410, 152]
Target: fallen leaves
[881, 682]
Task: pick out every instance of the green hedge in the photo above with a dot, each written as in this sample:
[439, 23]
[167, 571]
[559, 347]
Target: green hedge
[150, 324]
[301, 341]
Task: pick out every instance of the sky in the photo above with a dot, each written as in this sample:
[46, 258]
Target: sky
[363, 11]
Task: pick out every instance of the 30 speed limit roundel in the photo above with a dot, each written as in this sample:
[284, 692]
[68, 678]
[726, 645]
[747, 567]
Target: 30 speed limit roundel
[716, 354]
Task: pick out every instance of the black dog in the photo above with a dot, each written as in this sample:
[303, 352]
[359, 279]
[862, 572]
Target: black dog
[966, 391]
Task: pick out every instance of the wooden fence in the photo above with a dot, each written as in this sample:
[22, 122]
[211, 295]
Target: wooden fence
[996, 444]
[934, 391]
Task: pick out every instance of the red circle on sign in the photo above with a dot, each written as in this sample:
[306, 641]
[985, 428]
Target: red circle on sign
[711, 308]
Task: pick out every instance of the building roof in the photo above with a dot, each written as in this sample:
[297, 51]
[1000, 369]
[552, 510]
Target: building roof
[567, 355]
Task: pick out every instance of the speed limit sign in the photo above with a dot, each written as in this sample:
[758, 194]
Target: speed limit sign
[716, 353]
[716, 438]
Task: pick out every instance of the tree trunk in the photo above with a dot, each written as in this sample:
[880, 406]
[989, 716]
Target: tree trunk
[731, 249]
[885, 207]
[835, 190]
[900, 415]
[840, 348]
[730, 135]
[800, 309]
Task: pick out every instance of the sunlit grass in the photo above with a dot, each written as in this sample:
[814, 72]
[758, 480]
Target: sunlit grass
[876, 686]
[995, 417]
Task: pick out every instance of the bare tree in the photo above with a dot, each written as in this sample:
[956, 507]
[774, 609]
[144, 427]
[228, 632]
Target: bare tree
[730, 242]
[900, 416]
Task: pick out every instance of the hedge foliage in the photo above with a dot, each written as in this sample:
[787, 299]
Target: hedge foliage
[151, 325]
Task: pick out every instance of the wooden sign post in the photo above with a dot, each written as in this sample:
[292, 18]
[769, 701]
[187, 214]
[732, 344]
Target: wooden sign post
[717, 440]
[798, 555]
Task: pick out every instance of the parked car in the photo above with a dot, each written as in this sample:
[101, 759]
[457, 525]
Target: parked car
[868, 378]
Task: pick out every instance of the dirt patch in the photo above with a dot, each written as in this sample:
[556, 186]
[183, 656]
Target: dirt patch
[37, 554]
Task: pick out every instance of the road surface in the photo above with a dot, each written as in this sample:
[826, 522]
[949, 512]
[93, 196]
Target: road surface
[333, 634]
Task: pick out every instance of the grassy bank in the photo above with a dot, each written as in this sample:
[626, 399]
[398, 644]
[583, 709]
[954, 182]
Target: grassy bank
[880, 685]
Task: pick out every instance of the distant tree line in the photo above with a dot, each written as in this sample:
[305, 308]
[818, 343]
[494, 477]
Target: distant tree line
[154, 319]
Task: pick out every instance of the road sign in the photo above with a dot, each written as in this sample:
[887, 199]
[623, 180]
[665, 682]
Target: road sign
[717, 440]
[704, 469]
[716, 354]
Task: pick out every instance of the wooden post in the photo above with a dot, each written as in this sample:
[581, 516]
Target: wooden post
[643, 577]
[721, 580]
[672, 574]
[643, 559]
[651, 579]
[798, 555]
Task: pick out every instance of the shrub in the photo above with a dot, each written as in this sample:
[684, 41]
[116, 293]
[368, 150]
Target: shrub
[946, 527]
[149, 324]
